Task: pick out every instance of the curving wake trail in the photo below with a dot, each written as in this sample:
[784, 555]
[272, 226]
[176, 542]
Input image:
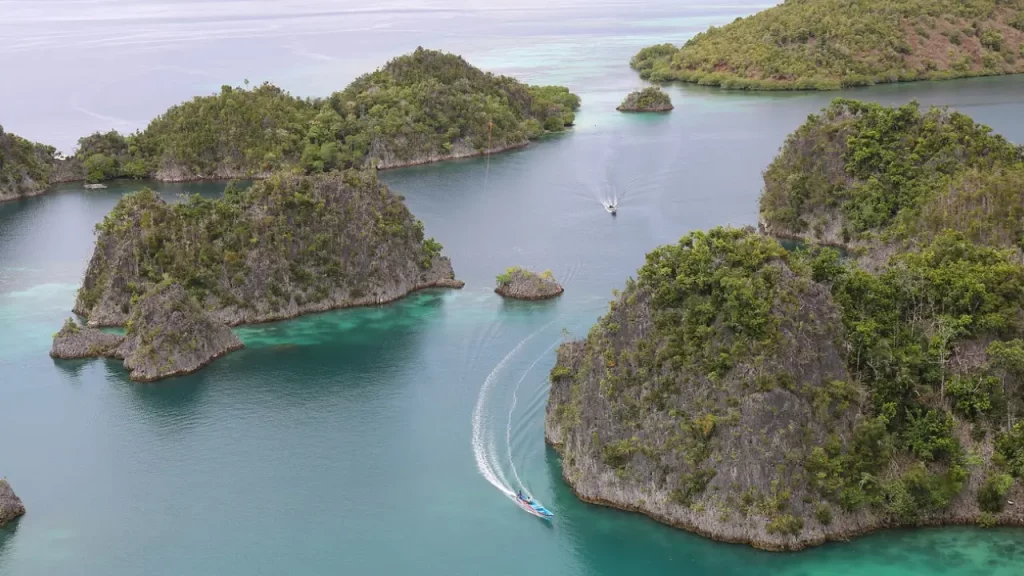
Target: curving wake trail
[483, 448]
[508, 427]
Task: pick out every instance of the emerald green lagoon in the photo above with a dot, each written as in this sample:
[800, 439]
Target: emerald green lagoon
[379, 440]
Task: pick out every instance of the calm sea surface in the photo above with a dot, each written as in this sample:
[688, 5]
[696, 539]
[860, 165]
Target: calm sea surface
[379, 441]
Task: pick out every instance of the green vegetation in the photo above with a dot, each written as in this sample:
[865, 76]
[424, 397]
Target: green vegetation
[287, 240]
[25, 166]
[516, 282]
[992, 496]
[421, 107]
[832, 44]
[730, 281]
[877, 381]
[859, 171]
[650, 99]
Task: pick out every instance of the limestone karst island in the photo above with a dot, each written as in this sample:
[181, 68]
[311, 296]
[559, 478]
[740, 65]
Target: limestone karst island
[603, 288]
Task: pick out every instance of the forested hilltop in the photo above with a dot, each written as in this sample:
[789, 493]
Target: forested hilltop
[290, 244]
[418, 108]
[786, 398]
[864, 175]
[26, 168]
[832, 44]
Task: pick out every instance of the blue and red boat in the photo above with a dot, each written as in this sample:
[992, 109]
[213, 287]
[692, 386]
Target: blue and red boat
[532, 506]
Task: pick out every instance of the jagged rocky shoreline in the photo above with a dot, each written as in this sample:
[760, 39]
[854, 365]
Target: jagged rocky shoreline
[783, 399]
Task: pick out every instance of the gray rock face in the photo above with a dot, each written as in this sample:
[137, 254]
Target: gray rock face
[74, 341]
[522, 284]
[307, 244]
[10, 505]
[170, 335]
[699, 451]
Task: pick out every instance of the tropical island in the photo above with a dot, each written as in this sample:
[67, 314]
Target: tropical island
[288, 245]
[10, 505]
[422, 107]
[26, 168]
[177, 275]
[650, 99]
[833, 44]
[785, 398]
[521, 284]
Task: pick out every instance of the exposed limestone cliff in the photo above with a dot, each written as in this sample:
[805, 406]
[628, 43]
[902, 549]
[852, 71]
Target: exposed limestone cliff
[10, 505]
[783, 399]
[74, 341]
[522, 284]
[170, 335]
[286, 246]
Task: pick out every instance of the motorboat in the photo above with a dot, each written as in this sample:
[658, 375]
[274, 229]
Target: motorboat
[532, 506]
[611, 207]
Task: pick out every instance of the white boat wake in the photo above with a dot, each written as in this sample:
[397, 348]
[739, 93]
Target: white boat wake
[508, 427]
[484, 448]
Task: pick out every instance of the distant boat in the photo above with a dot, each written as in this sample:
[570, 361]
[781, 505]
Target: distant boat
[611, 207]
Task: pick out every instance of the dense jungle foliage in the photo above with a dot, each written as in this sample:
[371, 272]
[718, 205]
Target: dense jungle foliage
[832, 44]
[930, 330]
[420, 107]
[24, 166]
[286, 239]
[870, 171]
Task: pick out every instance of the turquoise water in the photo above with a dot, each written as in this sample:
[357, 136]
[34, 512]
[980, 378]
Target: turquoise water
[365, 441]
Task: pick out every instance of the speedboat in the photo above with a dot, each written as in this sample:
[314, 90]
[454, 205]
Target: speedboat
[533, 507]
[611, 208]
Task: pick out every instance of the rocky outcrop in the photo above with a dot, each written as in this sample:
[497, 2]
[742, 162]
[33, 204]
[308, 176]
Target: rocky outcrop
[25, 167]
[170, 335]
[386, 160]
[10, 505]
[686, 443]
[74, 341]
[522, 284]
[722, 394]
[650, 99]
[288, 245]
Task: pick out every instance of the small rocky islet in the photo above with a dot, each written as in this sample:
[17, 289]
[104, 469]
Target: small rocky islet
[650, 99]
[782, 398]
[11, 506]
[521, 284]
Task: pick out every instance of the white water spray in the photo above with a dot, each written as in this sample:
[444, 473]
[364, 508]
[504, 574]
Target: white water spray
[486, 463]
[508, 427]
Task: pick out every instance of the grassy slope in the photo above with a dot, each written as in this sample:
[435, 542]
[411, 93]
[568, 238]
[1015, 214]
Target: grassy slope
[831, 44]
